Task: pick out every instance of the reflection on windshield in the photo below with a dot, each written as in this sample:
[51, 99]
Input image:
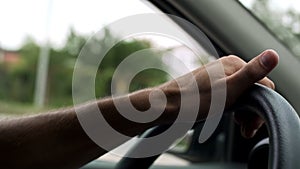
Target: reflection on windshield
[281, 17]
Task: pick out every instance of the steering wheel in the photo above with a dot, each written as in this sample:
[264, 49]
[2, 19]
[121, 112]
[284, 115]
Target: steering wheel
[281, 119]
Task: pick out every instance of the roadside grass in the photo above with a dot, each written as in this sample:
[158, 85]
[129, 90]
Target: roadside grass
[10, 109]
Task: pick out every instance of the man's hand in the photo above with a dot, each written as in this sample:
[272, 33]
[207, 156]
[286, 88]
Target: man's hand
[243, 78]
[54, 139]
[239, 77]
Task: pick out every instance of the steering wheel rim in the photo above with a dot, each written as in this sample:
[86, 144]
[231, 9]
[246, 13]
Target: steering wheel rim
[282, 123]
[281, 119]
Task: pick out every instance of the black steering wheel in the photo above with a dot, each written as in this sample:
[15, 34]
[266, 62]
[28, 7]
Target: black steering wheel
[281, 119]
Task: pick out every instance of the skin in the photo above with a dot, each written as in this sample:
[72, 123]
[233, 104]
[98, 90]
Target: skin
[56, 139]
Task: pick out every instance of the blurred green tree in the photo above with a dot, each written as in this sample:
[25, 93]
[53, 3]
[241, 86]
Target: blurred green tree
[20, 77]
[18, 80]
[285, 24]
[143, 79]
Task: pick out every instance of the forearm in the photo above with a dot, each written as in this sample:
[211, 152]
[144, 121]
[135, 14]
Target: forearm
[50, 140]
[140, 102]
[57, 140]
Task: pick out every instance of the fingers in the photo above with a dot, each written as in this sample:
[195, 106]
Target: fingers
[249, 122]
[255, 70]
[267, 82]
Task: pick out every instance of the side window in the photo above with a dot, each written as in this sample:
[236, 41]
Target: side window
[40, 43]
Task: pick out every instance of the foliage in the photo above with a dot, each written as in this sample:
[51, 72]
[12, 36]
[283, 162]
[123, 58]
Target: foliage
[285, 24]
[18, 80]
[116, 55]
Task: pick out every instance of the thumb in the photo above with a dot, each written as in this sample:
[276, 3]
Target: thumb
[255, 70]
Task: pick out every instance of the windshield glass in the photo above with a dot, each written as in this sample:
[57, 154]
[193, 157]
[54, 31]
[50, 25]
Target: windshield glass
[282, 18]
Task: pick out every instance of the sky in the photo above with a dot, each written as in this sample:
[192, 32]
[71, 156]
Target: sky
[53, 18]
[43, 19]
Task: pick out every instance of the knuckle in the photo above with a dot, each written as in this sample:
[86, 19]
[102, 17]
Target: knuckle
[250, 73]
[234, 61]
[232, 64]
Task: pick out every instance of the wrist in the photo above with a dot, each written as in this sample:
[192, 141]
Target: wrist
[164, 100]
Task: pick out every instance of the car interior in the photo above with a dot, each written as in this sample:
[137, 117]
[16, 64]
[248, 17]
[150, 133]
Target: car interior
[37, 74]
[234, 29]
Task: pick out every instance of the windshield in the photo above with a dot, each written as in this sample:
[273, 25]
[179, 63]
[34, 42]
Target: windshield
[282, 18]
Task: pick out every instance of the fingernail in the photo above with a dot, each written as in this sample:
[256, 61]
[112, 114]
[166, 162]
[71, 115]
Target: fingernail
[268, 59]
[255, 131]
[247, 131]
[252, 133]
[243, 131]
